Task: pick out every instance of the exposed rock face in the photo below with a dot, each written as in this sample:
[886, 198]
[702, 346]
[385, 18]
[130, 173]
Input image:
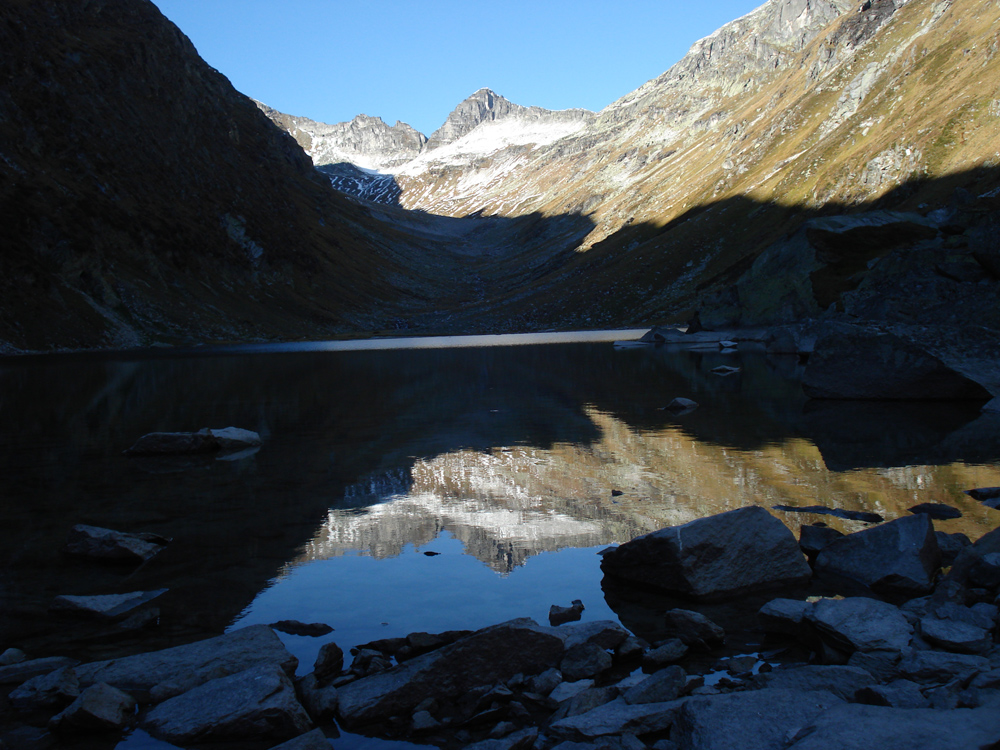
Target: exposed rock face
[481, 106]
[713, 557]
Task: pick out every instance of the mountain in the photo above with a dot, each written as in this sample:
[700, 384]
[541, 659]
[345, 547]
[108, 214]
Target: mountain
[799, 110]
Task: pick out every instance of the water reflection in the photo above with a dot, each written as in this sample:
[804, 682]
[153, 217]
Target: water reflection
[508, 452]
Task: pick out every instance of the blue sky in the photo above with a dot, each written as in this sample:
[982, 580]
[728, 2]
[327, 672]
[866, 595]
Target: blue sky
[414, 61]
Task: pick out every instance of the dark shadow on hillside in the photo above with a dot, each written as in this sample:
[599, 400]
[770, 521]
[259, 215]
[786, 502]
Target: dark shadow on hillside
[359, 183]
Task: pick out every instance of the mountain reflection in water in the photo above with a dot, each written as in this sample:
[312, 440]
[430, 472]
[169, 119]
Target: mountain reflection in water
[502, 452]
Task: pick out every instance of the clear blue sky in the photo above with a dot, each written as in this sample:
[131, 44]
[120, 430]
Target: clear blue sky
[414, 61]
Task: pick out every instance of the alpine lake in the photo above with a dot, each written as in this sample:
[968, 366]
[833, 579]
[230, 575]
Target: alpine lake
[427, 484]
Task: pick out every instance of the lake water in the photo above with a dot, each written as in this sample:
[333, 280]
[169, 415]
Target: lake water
[506, 460]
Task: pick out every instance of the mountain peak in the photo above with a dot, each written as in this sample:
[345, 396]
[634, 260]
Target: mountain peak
[483, 105]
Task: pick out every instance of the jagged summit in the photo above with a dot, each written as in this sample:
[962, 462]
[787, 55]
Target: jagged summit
[481, 106]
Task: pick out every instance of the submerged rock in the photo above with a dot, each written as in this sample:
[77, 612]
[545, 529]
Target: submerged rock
[558, 615]
[105, 606]
[723, 555]
[99, 708]
[114, 546]
[228, 439]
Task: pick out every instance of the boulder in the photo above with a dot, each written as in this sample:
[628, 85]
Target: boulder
[951, 545]
[665, 685]
[584, 701]
[956, 628]
[227, 439]
[99, 708]
[583, 661]
[861, 624]
[882, 665]
[104, 606]
[329, 661]
[113, 546]
[294, 627]
[616, 718]
[663, 655]
[784, 616]
[53, 690]
[724, 555]
[558, 615]
[898, 558]
[753, 720]
[861, 727]
[520, 740]
[12, 656]
[314, 740]
[488, 656]
[566, 690]
[896, 694]
[319, 700]
[856, 362]
[937, 511]
[843, 681]
[14, 674]
[158, 675]
[940, 666]
[693, 629]
[258, 703]
[814, 538]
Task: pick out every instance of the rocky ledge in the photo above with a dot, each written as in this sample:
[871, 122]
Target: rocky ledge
[895, 654]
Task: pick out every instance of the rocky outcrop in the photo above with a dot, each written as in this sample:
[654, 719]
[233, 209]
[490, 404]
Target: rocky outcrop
[724, 555]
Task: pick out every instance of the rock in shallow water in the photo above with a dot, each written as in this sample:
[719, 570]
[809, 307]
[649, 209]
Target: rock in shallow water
[711, 558]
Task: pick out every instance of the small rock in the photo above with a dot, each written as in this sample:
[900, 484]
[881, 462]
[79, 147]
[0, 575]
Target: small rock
[584, 701]
[951, 545]
[940, 666]
[294, 627]
[12, 656]
[882, 665]
[896, 694]
[423, 721]
[681, 406]
[99, 708]
[784, 616]
[665, 685]
[53, 690]
[726, 344]
[725, 370]
[14, 674]
[431, 553]
[631, 648]
[861, 624]
[814, 538]
[314, 740]
[985, 571]
[546, 682]
[584, 661]
[566, 690]
[558, 615]
[842, 681]
[668, 653]
[319, 700]
[329, 661]
[521, 740]
[693, 629]
[983, 494]
[937, 511]
[106, 606]
[113, 546]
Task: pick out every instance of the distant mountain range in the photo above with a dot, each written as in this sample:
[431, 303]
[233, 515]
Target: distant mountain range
[146, 201]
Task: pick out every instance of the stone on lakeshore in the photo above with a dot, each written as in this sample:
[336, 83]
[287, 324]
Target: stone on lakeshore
[233, 438]
[12, 656]
[258, 703]
[986, 571]
[882, 665]
[103, 606]
[984, 493]
[314, 740]
[752, 720]
[14, 674]
[617, 717]
[544, 683]
[940, 666]
[731, 553]
[861, 624]
[558, 615]
[159, 675]
[566, 690]
[850, 515]
[814, 538]
[693, 629]
[319, 700]
[841, 680]
[583, 661]
[113, 546]
[604, 633]
[898, 558]
[631, 648]
[854, 362]
[785, 616]
[957, 628]
[584, 701]
[491, 655]
[521, 740]
[937, 511]
[896, 694]
[422, 643]
[99, 708]
[329, 661]
[951, 545]
[663, 655]
[861, 727]
[660, 687]
[53, 690]
[971, 557]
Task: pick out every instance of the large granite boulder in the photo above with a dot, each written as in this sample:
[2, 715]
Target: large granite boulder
[861, 624]
[855, 362]
[898, 558]
[724, 555]
[159, 675]
[488, 656]
[258, 703]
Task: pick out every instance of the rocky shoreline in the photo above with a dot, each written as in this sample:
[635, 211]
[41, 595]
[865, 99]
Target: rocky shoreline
[899, 651]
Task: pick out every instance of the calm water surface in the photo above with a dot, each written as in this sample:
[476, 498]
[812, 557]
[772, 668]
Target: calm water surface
[500, 458]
